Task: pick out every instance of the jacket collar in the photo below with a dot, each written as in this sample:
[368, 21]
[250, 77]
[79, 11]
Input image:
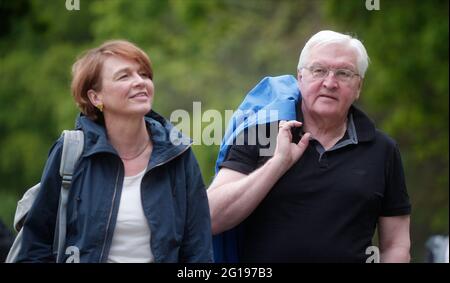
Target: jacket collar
[168, 142]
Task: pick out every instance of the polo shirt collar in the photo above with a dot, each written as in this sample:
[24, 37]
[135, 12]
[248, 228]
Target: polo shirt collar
[359, 126]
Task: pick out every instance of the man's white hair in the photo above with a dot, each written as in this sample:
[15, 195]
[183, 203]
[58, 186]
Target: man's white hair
[327, 37]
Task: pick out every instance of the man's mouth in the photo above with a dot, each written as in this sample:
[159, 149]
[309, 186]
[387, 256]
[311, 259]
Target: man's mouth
[328, 96]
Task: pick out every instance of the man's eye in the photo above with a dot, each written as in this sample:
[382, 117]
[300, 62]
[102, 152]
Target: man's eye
[343, 73]
[319, 71]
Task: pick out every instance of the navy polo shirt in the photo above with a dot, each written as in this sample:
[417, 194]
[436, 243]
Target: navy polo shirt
[326, 206]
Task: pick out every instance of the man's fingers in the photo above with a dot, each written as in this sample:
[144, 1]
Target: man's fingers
[304, 141]
[303, 144]
[287, 125]
[299, 148]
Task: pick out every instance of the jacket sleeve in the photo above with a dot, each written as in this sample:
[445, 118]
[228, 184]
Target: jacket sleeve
[39, 226]
[197, 240]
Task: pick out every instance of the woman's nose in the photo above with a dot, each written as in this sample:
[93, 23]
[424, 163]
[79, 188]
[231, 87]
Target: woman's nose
[137, 80]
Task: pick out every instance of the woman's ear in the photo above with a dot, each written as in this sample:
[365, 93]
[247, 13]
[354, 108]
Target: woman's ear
[95, 98]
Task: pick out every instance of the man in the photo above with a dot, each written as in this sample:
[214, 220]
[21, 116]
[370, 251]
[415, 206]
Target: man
[321, 199]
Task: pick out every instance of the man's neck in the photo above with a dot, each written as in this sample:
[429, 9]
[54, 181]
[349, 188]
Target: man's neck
[328, 131]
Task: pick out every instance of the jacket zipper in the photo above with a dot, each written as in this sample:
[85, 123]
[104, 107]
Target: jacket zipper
[115, 193]
[110, 215]
[159, 164]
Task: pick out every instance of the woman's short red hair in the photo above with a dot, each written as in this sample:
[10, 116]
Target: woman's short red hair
[86, 71]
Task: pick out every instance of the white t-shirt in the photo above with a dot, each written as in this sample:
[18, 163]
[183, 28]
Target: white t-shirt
[131, 239]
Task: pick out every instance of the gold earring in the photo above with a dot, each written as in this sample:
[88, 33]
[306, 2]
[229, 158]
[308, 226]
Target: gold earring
[100, 107]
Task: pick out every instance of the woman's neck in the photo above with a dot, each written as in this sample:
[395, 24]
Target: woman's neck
[127, 136]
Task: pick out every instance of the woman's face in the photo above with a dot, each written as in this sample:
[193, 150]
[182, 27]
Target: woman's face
[127, 89]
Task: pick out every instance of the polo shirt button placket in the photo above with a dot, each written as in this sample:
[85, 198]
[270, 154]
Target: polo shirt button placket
[323, 161]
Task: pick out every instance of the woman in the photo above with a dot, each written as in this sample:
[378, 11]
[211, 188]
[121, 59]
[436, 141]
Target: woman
[135, 196]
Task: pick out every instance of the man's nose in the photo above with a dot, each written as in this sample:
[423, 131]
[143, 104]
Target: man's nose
[330, 80]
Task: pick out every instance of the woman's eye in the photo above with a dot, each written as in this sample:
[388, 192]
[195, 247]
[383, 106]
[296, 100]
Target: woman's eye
[145, 74]
[122, 76]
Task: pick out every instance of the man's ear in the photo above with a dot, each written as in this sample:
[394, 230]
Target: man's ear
[95, 98]
[360, 84]
[299, 77]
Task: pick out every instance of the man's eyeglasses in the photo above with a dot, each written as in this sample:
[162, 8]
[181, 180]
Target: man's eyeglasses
[342, 75]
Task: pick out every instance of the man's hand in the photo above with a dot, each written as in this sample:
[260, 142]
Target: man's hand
[233, 196]
[287, 152]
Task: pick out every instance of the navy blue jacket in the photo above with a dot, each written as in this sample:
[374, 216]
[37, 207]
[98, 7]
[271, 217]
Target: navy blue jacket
[173, 198]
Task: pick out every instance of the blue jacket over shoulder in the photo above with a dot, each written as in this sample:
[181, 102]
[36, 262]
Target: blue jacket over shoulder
[272, 99]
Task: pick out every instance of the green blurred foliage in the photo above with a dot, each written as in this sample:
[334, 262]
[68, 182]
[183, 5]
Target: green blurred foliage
[214, 51]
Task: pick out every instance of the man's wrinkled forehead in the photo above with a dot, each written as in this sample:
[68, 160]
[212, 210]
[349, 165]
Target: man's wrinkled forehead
[333, 54]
